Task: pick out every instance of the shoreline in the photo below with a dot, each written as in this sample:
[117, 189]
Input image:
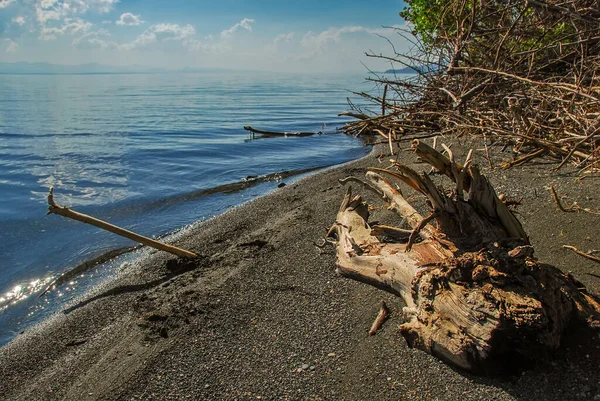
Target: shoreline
[104, 259]
[263, 314]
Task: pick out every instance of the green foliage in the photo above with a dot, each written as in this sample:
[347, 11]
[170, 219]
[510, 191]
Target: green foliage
[433, 18]
[481, 26]
[425, 15]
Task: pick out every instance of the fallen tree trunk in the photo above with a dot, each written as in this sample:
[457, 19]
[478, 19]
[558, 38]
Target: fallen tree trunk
[278, 133]
[475, 295]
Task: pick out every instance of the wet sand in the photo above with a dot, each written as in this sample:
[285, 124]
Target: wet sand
[263, 315]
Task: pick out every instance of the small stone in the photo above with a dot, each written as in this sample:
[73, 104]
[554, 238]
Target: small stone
[305, 366]
[312, 368]
[207, 386]
[163, 332]
[331, 354]
[281, 185]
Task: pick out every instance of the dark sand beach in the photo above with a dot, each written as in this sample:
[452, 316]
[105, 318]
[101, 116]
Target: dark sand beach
[263, 314]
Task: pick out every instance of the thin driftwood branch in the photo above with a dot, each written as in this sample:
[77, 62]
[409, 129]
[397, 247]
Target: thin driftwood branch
[393, 233]
[523, 159]
[557, 201]
[573, 208]
[581, 253]
[383, 314]
[54, 208]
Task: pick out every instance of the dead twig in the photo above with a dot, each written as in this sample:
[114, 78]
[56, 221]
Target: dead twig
[557, 201]
[573, 208]
[417, 230]
[523, 159]
[383, 314]
[581, 253]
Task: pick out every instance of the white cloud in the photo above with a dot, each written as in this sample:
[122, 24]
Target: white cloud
[102, 6]
[214, 48]
[162, 32]
[93, 40]
[59, 17]
[279, 39]
[318, 42]
[12, 46]
[283, 38]
[6, 3]
[19, 20]
[47, 3]
[106, 22]
[70, 26]
[129, 19]
[246, 24]
[83, 6]
[56, 10]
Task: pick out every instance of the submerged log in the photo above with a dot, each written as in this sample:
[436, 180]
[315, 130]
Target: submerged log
[475, 295]
[278, 133]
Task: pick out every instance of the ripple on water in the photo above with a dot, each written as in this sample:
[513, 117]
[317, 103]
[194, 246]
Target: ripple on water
[123, 147]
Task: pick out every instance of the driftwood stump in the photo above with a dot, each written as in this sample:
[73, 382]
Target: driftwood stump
[475, 295]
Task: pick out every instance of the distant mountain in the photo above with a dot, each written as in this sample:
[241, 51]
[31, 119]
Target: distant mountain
[90, 68]
[411, 70]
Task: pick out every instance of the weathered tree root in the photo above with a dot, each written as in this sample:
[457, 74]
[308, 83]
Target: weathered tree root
[475, 295]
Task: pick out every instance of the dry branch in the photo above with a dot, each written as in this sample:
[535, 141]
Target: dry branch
[524, 159]
[573, 208]
[517, 70]
[54, 208]
[383, 314]
[581, 253]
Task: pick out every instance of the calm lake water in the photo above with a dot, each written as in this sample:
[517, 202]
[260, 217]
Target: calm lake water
[136, 150]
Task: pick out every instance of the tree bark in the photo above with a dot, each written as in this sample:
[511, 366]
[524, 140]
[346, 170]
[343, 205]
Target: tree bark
[475, 295]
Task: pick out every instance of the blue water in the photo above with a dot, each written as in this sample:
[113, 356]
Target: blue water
[128, 149]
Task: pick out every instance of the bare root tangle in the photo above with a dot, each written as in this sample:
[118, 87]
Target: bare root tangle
[520, 71]
[475, 295]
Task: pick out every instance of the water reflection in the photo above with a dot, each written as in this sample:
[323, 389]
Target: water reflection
[21, 292]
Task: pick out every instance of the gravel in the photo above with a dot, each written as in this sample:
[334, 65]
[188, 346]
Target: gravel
[263, 315]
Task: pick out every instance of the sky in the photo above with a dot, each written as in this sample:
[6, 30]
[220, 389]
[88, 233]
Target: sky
[269, 35]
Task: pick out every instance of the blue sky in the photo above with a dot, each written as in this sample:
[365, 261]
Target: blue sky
[272, 35]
